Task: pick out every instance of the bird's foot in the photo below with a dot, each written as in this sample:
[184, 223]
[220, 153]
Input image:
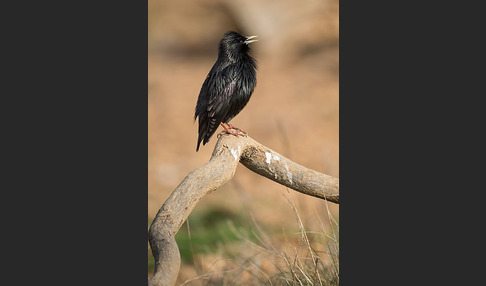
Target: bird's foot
[232, 132]
[235, 131]
[231, 126]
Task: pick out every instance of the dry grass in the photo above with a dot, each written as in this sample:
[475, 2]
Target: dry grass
[302, 257]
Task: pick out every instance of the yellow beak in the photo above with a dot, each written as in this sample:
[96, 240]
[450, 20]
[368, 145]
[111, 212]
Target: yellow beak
[250, 39]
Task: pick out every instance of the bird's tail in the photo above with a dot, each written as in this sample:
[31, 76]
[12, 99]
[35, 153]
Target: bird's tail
[201, 133]
[207, 128]
[198, 143]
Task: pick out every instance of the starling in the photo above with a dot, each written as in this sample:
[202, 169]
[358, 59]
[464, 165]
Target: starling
[227, 88]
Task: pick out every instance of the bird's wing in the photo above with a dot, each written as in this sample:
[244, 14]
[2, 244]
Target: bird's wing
[220, 90]
[203, 98]
[221, 93]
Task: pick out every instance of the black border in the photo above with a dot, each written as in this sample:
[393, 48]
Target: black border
[75, 114]
[76, 110]
[408, 133]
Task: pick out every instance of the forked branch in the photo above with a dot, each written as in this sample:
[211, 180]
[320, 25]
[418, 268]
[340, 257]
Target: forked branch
[229, 150]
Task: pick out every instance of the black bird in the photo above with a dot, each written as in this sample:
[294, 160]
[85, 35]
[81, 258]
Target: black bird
[227, 88]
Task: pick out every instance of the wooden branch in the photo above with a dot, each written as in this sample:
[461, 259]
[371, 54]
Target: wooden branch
[229, 150]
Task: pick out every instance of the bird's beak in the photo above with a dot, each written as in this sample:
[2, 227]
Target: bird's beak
[250, 39]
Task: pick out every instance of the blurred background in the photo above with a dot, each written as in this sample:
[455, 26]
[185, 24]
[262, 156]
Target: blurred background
[251, 231]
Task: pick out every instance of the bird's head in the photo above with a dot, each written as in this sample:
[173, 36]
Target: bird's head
[233, 43]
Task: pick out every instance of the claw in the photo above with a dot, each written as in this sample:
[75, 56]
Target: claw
[235, 131]
[231, 126]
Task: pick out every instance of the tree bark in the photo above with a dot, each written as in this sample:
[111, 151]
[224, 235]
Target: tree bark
[229, 150]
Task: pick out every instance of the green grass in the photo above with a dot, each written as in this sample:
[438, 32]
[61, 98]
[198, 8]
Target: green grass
[208, 231]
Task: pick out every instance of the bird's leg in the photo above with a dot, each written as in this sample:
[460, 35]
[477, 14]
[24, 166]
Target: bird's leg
[230, 131]
[231, 126]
